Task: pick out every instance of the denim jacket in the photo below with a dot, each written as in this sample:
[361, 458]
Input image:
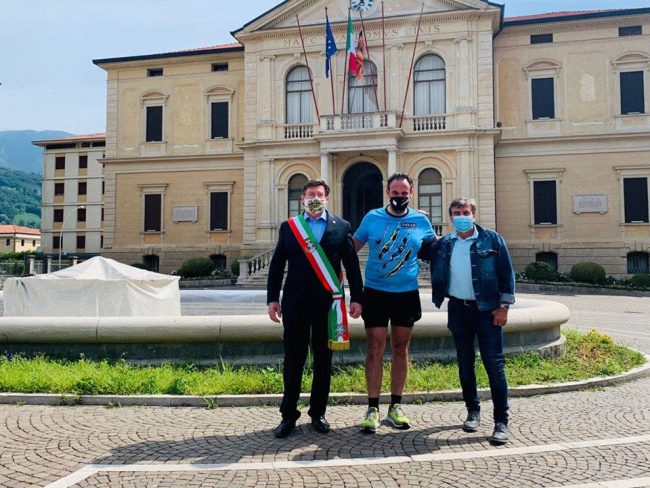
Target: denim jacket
[493, 277]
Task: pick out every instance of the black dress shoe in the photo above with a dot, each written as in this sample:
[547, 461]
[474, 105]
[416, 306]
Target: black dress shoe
[500, 434]
[321, 425]
[284, 429]
[473, 421]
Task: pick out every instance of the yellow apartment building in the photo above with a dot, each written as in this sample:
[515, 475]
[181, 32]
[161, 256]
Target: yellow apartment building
[71, 205]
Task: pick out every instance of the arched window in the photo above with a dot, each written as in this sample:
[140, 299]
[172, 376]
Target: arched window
[362, 95]
[299, 97]
[429, 86]
[637, 262]
[151, 262]
[430, 195]
[296, 183]
[219, 261]
[549, 258]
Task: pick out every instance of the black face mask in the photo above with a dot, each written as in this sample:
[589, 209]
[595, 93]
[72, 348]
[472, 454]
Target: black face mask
[399, 204]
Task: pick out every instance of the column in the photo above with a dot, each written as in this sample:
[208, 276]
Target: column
[265, 197]
[392, 161]
[464, 75]
[325, 166]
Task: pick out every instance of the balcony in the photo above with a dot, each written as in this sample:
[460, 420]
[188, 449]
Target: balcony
[296, 131]
[369, 121]
[356, 122]
[428, 123]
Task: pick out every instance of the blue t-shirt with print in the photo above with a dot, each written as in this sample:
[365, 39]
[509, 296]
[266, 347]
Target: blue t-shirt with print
[393, 244]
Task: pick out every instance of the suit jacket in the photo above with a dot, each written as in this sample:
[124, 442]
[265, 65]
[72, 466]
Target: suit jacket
[302, 285]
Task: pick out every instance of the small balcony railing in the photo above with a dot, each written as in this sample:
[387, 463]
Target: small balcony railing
[361, 121]
[429, 123]
[298, 131]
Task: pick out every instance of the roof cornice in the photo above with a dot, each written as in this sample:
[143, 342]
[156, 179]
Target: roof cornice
[177, 54]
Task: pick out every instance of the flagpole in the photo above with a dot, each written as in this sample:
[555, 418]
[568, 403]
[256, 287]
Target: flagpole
[332, 83]
[363, 28]
[345, 64]
[311, 80]
[329, 63]
[383, 50]
[408, 83]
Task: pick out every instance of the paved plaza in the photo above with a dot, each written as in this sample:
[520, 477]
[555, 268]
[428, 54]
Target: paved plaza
[586, 438]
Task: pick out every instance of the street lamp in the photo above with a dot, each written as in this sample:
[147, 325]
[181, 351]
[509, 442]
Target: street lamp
[61, 231]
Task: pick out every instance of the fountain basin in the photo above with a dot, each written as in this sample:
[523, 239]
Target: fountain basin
[534, 325]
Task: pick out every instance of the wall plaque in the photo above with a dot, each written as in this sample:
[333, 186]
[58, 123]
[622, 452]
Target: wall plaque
[185, 213]
[590, 204]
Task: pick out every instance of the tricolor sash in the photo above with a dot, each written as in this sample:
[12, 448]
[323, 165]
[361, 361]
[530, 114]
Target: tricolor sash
[337, 320]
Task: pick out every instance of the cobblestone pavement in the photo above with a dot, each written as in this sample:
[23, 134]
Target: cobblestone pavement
[587, 438]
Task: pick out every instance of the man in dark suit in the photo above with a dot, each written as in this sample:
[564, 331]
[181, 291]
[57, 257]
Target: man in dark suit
[306, 303]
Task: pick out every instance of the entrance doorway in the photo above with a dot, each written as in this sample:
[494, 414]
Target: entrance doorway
[362, 192]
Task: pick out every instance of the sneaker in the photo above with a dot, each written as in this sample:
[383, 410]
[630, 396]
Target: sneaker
[473, 421]
[396, 418]
[371, 422]
[500, 434]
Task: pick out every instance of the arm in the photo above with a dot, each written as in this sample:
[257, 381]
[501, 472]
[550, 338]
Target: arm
[353, 271]
[276, 274]
[428, 249]
[505, 273]
[358, 245]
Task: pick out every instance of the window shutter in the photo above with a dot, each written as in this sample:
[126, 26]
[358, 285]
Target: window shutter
[218, 211]
[632, 98]
[636, 199]
[154, 123]
[545, 202]
[152, 209]
[220, 120]
[543, 98]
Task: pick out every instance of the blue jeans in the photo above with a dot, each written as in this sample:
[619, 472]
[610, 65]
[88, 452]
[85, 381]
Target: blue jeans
[466, 323]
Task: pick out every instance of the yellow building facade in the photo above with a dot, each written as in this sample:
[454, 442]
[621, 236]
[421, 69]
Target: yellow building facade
[18, 238]
[206, 150]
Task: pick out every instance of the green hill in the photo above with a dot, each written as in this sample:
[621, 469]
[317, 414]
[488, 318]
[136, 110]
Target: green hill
[20, 198]
[18, 152]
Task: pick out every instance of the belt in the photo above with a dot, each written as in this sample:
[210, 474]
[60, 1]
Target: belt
[467, 303]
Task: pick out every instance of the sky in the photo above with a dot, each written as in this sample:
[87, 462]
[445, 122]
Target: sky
[48, 80]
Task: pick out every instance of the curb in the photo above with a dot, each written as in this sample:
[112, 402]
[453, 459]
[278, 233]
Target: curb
[335, 398]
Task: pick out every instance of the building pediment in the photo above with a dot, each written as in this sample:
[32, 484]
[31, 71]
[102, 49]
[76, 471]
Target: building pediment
[312, 12]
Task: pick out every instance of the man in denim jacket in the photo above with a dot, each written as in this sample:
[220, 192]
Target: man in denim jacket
[472, 267]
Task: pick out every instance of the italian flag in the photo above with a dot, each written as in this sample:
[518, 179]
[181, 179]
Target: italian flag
[351, 48]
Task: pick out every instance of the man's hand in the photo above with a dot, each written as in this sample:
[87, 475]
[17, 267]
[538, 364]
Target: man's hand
[275, 311]
[500, 317]
[355, 310]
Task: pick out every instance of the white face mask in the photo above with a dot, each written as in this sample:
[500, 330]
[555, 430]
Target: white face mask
[315, 205]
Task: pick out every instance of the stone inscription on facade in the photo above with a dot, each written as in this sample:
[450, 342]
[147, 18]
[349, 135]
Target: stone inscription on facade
[371, 35]
[589, 204]
[186, 213]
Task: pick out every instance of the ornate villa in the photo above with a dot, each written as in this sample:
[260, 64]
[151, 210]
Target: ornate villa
[543, 119]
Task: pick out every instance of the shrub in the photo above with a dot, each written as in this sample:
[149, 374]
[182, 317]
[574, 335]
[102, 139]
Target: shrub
[221, 274]
[196, 268]
[588, 273]
[139, 266]
[641, 280]
[539, 271]
[234, 267]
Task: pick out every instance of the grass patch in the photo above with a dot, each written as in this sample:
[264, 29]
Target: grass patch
[589, 355]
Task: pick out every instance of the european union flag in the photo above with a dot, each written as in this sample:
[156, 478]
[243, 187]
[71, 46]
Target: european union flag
[330, 46]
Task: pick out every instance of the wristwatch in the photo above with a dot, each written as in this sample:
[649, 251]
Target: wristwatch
[505, 306]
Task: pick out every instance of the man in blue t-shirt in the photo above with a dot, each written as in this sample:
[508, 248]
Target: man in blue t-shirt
[394, 236]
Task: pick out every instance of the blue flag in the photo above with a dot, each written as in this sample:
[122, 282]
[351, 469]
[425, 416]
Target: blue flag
[330, 46]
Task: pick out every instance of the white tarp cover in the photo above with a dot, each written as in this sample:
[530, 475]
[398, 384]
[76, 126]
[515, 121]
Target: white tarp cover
[98, 287]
